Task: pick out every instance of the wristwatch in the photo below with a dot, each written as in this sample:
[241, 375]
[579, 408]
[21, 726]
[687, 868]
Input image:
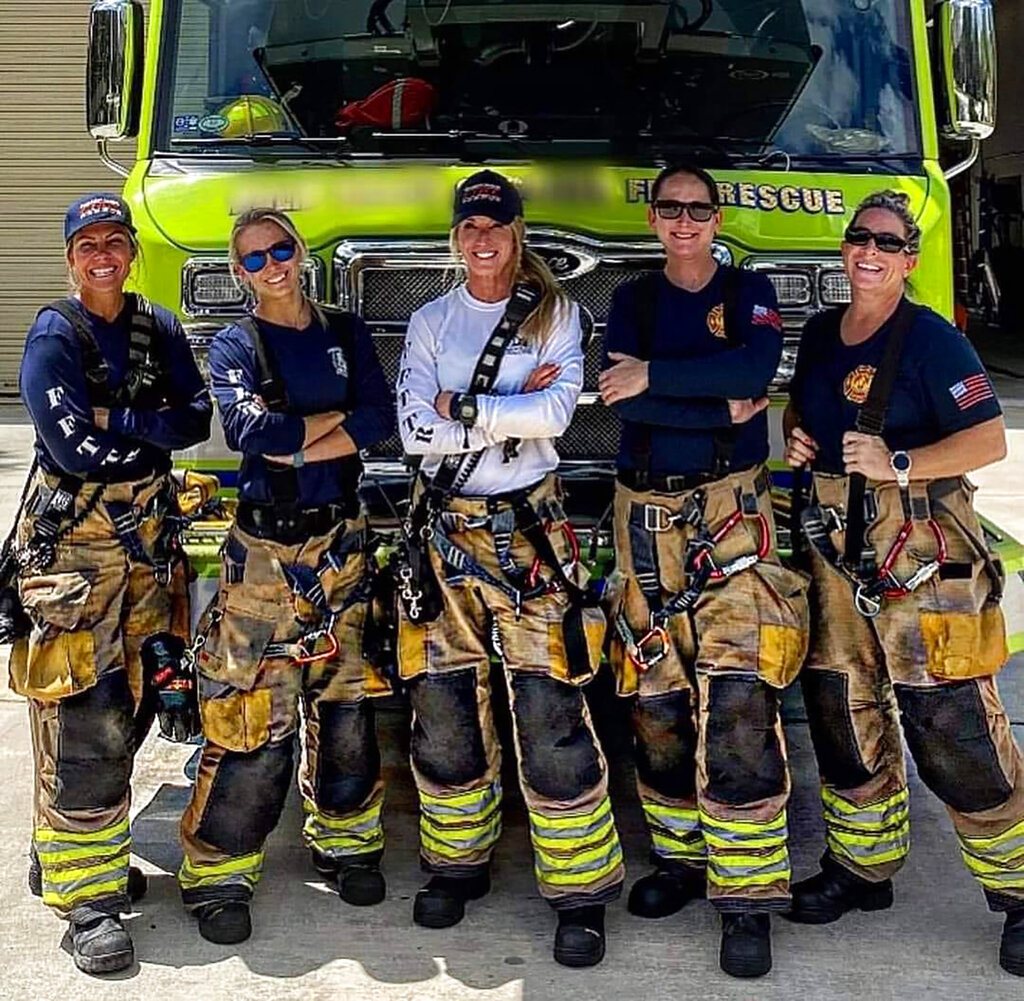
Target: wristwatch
[464, 409]
[900, 463]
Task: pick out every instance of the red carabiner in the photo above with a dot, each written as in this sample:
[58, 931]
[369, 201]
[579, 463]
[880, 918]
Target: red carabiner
[331, 651]
[763, 546]
[574, 551]
[643, 663]
[901, 590]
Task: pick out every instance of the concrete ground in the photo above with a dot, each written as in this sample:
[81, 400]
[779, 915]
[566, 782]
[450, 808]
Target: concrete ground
[938, 942]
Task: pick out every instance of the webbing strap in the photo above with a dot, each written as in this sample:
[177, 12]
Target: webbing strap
[871, 421]
[645, 556]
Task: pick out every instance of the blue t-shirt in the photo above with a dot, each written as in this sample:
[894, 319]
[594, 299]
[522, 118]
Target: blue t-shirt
[137, 441]
[941, 386]
[318, 377]
[694, 371]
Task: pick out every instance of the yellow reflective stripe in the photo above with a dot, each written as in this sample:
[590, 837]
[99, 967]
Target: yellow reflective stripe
[453, 851]
[673, 848]
[754, 879]
[714, 841]
[728, 860]
[62, 877]
[566, 844]
[74, 854]
[882, 806]
[981, 844]
[894, 820]
[870, 840]
[874, 858]
[980, 865]
[467, 839]
[671, 816]
[103, 834]
[370, 815]
[577, 856]
[246, 867]
[462, 799]
[576, 820]
[89, 892]
[584, 878]
[450, 821]
[362, 843]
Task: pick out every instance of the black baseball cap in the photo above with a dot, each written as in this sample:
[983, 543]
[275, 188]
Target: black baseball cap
[96, 208]
[489, 194]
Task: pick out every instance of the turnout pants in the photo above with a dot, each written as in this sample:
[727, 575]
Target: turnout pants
[81, 671]
[928, 659]
[456, 755]
[711, 762]
[253, 693]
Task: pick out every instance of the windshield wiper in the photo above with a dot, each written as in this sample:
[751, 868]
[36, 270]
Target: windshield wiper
[335, 145]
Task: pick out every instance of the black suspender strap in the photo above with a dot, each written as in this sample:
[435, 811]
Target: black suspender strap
[871, 421]
[456, 469]
[97, 371]
[724, 439]
[272, 390]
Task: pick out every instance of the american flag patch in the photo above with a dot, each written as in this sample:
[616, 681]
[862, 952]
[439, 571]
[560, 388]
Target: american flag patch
[974, 389]
[765, 317]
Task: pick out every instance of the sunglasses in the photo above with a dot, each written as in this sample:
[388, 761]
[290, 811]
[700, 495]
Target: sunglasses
[256, 260]
[666, 208]
[887, 243]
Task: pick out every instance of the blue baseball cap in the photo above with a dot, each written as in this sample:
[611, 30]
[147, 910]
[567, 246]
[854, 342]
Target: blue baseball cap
[96, 208]
[489, 194]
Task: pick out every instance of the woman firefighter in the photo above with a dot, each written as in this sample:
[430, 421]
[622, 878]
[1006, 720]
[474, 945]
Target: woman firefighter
[299, 390]
[891, 407]
[490, 376]
[111, 386]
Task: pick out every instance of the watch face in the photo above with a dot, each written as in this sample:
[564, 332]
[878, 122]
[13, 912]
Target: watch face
[901, 462]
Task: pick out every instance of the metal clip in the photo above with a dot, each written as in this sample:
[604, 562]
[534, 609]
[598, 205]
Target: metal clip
[921, 575]
[868, 605]
[653, 515]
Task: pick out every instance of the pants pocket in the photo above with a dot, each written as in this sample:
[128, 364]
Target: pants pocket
[575, 644]
[58, 658]
[961, 645]
[238, 721]
[783, 623]
[236, 642]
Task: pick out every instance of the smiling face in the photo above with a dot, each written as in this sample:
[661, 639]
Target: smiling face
[277, 279]
[868, 268]
[100, 257]
[682, 238]
[487, 247]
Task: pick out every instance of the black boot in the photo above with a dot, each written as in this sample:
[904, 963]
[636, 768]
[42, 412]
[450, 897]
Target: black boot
[579, 939]
[137, 882]
[101, 944]
[664, 891]
[360, 883]
[746, 944]
[442, 902]
[225, 922]
[835, 890]
[1011, 947]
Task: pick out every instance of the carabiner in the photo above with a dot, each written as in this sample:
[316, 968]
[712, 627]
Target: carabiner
[641, 661]
[742, 562]
[574, 553]
[332, 646]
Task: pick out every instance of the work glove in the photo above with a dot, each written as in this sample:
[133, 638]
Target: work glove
[14, 623]
[172, 684]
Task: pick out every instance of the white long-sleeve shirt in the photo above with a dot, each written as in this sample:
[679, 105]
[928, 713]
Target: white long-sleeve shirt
[443, 343]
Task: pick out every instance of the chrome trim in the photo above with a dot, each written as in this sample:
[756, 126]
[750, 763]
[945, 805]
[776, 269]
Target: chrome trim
[312, 267]
[108, 161]
[967, 54]
[352, 256]
[958, 168]
[810, 264]
[113, 71]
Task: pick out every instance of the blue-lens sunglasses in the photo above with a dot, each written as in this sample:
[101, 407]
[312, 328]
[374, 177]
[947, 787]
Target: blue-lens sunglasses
[256, 260]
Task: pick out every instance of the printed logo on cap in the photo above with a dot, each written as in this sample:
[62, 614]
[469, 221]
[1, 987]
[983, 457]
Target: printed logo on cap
[481, 192]
[99, 206]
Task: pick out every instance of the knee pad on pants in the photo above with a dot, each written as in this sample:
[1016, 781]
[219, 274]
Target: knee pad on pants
[743, 757]
[348, 758]
[447, 745]
[946, 727]
[666, 744]
[247, 797]
[96, 744]
[827, 699]
[557, 752]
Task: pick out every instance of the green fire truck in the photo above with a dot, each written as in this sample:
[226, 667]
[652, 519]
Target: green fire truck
[359, 117]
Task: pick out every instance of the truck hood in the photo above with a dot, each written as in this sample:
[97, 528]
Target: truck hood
[192, 203]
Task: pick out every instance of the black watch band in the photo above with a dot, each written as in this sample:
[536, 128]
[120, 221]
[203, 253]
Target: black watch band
[464, 409]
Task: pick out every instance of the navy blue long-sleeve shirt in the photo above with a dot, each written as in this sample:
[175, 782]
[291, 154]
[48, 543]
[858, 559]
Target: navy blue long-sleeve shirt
[694, 371]
[317, 379]
[137, 441]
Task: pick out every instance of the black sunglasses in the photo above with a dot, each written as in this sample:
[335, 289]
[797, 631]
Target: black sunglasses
[887, 243]
[256, 260]
[667, 208]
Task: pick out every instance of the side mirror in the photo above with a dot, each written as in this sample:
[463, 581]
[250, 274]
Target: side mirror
[967, 54]
[113, 83]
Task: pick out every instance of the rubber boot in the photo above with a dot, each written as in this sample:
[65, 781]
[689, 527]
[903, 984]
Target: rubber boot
[442, 902]
[137, 882]
[746, 944]
[579, 939]
[664, 891]
[101, 944]
[827, 896]
[225, 922]
[360, 883]
[1011, 947]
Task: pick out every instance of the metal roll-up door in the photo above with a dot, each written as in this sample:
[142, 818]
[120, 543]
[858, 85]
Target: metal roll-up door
[48, 159]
